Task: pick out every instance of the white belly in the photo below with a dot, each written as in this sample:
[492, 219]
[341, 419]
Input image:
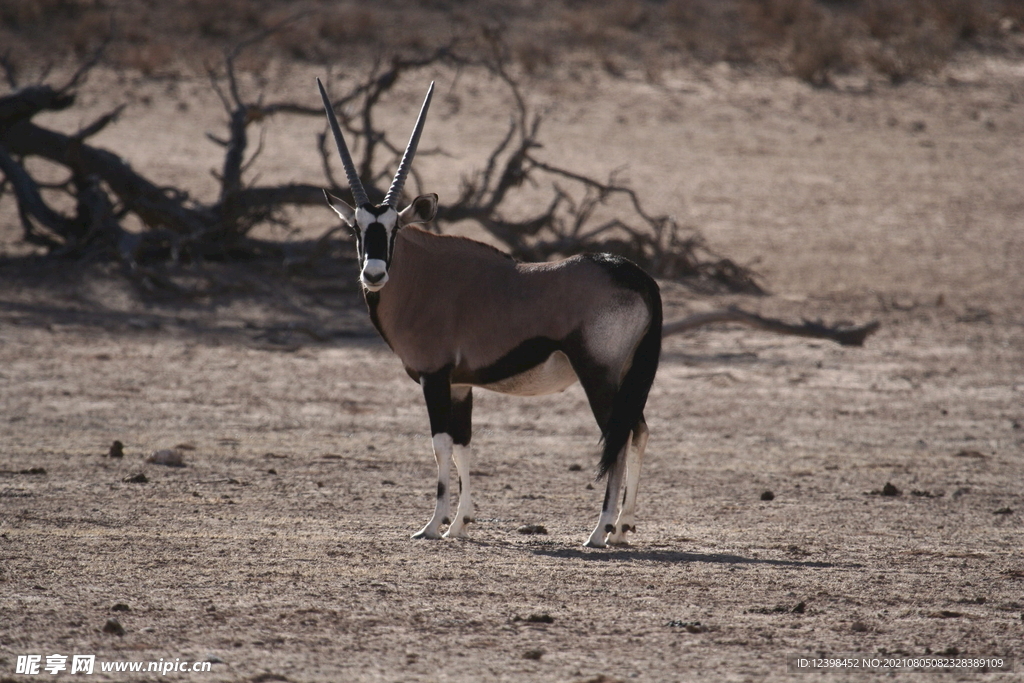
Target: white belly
[553, 375]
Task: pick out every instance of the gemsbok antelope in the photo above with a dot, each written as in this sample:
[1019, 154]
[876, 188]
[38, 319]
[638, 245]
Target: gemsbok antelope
[461, 314]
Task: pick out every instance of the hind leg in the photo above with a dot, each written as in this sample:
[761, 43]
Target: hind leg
[601, 393]
[634, 460]
[610, 509]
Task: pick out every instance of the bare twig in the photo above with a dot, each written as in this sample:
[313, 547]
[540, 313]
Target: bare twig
[10, 70]
[83, 70]
[99, 124]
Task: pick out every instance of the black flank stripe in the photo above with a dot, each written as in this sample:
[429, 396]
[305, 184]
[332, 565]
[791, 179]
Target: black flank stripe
[526, 356]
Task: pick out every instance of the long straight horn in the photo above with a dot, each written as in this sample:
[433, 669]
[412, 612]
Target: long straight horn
[410, 151]
[354, 184]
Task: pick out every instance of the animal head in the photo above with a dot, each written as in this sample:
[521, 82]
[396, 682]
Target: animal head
[376, 225]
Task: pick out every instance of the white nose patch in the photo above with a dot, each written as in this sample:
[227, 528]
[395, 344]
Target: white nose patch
[374, 275]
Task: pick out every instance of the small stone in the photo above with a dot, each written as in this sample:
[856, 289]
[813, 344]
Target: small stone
[532, 529]
[890, 490]
[113, 626]
[170, 457]
[117, 450]
[767, 495]
[688, 626]
[139, 478]
[540, 619]
[120, 607]
[533, 654]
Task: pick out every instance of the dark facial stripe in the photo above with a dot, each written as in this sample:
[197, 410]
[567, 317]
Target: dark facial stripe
[375, 242]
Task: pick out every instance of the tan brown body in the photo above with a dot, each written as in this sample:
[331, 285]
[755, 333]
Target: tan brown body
[453, 302]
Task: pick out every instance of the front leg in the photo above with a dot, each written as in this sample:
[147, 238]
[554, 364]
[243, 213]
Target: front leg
[437, 390]
[443, 454]
[461, 428]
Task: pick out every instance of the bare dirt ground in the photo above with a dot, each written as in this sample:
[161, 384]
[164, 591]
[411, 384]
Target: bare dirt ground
[281, 550]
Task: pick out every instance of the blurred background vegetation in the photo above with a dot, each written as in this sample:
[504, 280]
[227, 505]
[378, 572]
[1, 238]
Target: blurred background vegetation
[811, 39]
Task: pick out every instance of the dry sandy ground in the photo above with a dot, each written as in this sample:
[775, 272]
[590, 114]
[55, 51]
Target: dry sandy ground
[281, 551]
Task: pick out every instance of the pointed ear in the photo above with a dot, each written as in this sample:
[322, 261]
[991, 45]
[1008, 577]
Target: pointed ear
[346, 212]
[422, 210]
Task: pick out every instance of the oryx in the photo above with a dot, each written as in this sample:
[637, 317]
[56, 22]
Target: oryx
[461, 314]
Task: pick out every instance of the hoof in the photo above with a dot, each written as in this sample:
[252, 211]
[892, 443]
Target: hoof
[430, 534]
[595, 543]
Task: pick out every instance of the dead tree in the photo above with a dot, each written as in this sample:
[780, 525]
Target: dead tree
[178, 226]
[581, 213]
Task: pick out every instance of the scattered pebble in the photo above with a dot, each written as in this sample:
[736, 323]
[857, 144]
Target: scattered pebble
[800, 607]
[121, 607]
[170, 457]
[1003, 511]
[575, 467]
[767, 495]
[543, 618]
[533, 654]
[532, 529]
[887, 490]
[688, 626]
[139, 478]
[113, 626]
[117, 450]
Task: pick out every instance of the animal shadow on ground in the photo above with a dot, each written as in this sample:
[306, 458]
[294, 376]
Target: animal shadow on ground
[673, 557]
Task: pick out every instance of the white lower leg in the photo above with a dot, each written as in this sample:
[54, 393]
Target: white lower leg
[464, 514]
[627, 517]
[610, 510]
[443, 455]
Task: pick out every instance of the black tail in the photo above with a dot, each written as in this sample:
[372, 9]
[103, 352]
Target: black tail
[628, 404]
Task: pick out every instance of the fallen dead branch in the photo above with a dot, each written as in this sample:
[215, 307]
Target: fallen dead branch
[580, 214]
[844, 335]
